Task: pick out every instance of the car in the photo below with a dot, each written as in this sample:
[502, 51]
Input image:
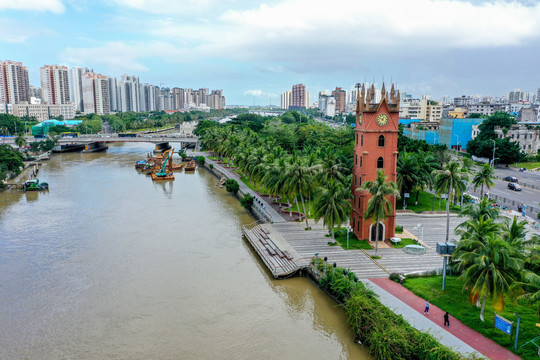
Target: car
[511, 179]
[514, 186]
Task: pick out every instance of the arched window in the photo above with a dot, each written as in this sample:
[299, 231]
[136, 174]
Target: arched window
[355, 179]
[381, 140]
[362, 140]
[380, 163]
[356, 159]
[361, 160]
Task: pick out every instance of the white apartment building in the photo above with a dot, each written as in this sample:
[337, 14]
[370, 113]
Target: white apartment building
[420, 109]
[128, 87]
[286, 99]
[95, 94]
[485, 109]
[331, 106]
[14, 83]
[55, 84]
[76, 85]
[45, 111]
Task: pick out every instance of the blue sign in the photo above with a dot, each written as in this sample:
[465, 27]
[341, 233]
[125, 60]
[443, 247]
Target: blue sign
[503, 324]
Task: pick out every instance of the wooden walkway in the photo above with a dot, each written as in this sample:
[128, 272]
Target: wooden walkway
[280, 258]
[307, 243]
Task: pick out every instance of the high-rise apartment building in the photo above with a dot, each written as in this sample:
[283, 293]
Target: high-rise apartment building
[76, 85]
[216, 100]
[341, 99]
[286, 99]
[114, 95]
[55, 84]
[323, 101]
[95, 93]
[298, 97]
[128, 87]
[14, 83]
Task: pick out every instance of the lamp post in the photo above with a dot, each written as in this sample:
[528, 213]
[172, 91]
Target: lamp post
[493, 158]
[349, 229]
[517, 330]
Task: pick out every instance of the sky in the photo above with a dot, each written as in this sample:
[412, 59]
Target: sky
[255, 50]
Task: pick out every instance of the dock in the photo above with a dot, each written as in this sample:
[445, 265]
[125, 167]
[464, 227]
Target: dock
[281, 259]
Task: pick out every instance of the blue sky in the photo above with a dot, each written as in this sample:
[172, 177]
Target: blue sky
[255, 50]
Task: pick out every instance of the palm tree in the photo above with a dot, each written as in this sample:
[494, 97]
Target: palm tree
[20, 141]
[489, 265]
[484, 176]
[483, 209]
[528, 289]
[450, 178]
[332, 204]
[297, 183]
[407, 172]
[379, 206]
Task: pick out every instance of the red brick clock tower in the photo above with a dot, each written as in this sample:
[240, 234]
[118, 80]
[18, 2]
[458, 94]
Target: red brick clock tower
[376, 137]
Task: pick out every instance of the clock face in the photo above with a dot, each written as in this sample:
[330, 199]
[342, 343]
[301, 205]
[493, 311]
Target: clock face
[382, 119]
[360, 119]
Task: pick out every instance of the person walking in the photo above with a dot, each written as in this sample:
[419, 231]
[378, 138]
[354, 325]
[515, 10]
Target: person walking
[446, 319]
[426, 310]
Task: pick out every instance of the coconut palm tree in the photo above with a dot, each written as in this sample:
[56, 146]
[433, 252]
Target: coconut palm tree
[408, 172]
[528, 289]
[20, 141]
[488, 263]
[379, 206]
[482, 177]
[332, 204]
[483, 209]
[450, 179]
[299, 177]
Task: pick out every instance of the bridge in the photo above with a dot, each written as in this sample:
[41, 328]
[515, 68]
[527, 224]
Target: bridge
[85, 139]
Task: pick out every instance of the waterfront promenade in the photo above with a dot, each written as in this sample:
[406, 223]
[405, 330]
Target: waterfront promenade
[428, 229]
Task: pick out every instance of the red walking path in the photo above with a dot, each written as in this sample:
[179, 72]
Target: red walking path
[469, 336]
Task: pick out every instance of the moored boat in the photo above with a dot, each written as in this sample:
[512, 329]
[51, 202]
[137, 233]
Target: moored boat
[190, 166]
[35, 185]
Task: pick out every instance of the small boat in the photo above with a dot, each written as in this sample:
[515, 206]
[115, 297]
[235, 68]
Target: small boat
[177, 166]
[190, 166]
[35, 185]
[140, 164]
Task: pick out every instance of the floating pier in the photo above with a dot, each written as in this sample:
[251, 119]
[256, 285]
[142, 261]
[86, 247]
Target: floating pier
[280, 258]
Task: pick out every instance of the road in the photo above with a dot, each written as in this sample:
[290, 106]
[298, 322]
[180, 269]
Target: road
[528, 196]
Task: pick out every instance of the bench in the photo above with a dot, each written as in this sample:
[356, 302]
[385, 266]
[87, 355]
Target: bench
[395, 240]
[414, 249]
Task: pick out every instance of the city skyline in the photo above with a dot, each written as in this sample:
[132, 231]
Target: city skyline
[256, 51]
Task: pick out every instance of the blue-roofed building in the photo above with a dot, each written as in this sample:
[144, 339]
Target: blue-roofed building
[423, 130]
[43, 127]
[408, 121]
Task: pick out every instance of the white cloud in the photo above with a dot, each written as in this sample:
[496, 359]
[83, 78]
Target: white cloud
[119, 56]
[168, 6]
[55, 6]
[258, 93]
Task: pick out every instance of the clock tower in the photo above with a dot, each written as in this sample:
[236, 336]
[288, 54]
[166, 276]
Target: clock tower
[376, 138]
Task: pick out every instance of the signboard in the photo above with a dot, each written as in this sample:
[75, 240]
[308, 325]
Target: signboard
[407, 195]
[502, 324]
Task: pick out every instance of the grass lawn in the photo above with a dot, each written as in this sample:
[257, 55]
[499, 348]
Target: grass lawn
[404, 242]
[529, 165]
[455, 300]
[354, 243]
[425, 203]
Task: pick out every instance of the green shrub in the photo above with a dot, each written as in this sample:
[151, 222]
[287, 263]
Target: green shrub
[201, 160]
[247, 201]
[399, 229]
[538, 215]
[232, 186]
[211, 166]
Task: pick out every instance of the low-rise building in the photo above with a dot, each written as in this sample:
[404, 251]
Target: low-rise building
[485, 109]
[528, 136]
[45, 111]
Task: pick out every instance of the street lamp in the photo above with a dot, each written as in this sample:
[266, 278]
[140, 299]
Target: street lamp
[349, 229]
[493, 158]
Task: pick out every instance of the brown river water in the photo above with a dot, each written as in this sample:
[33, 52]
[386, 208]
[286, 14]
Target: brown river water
[109, 265]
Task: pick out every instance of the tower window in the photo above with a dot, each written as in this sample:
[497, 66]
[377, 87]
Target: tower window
[380, 163]
[356, 139]
[355, 179]
[381, 141]
[361, 160]
[356, 159]
[362, 140]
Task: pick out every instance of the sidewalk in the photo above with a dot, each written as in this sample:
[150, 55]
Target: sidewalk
[458, 336]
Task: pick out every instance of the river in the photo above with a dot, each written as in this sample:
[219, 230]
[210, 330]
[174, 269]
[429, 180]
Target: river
[109, 265]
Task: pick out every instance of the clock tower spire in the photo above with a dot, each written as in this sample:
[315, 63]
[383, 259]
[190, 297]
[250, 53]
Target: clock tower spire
[376, 137]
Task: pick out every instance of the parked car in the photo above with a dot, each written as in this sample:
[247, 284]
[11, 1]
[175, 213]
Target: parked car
[514, 186]
[511, 179]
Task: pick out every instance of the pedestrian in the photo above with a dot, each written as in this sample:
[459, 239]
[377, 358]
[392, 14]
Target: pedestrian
[426, 310]
[446, 320]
